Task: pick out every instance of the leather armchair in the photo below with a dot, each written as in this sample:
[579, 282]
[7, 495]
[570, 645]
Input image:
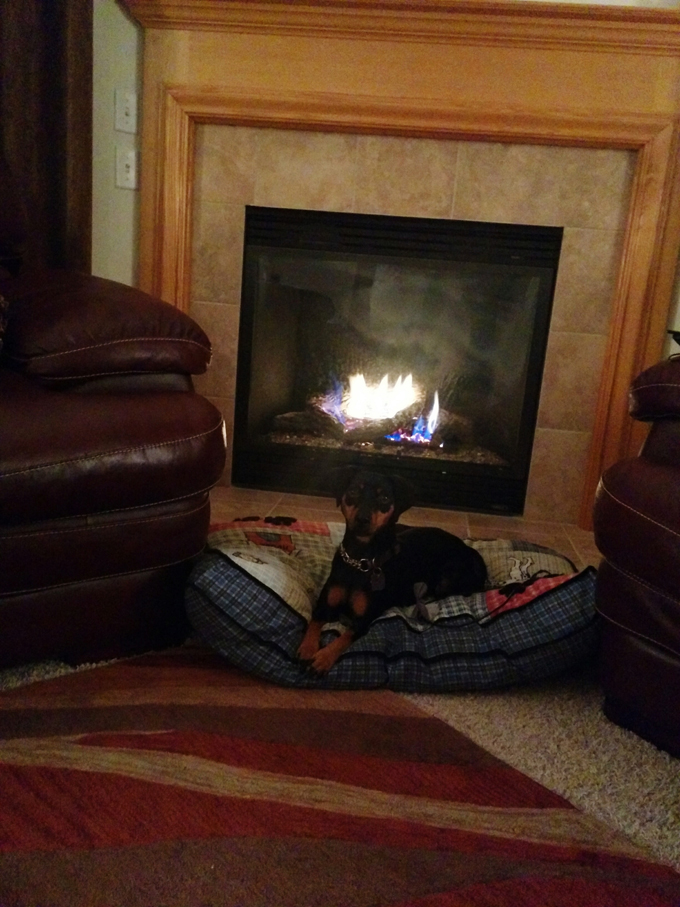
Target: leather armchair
[107, 457]
[637, 530]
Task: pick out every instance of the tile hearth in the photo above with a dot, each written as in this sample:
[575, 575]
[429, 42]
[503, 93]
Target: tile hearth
[577, 544]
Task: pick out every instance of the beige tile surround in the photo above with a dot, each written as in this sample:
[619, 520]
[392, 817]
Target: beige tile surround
[586, 191]
[232, 503]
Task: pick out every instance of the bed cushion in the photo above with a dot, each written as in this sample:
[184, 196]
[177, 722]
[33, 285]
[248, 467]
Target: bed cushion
[251, 594]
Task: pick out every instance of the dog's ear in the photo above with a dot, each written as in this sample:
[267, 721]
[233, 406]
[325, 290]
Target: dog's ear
[404, 494]
[340, 479]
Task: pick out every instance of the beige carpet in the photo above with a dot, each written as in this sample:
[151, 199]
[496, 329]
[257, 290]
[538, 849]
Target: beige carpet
[555, 732]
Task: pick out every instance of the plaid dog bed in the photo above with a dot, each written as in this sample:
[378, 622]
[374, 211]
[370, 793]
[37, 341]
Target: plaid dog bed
[251, 594]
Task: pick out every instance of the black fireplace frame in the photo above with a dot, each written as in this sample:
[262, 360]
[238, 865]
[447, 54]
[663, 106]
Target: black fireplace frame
[439, 483]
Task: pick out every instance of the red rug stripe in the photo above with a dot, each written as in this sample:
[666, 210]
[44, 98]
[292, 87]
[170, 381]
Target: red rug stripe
[51, 809]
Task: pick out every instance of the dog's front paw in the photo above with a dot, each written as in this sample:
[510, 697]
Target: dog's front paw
[310, 642]
[323, 661]
[326, 657]
[307, 650]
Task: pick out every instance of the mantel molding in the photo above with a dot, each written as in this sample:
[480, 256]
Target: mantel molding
[482, 22]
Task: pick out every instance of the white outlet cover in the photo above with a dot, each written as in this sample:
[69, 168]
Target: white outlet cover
[126, 168]
[125, 111]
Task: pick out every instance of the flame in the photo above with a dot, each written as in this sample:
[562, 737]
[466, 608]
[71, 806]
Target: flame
[379, 401]
[433, 418]
[422, 431]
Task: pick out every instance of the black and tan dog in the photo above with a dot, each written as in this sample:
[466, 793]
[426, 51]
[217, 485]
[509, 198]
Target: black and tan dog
[379, 562]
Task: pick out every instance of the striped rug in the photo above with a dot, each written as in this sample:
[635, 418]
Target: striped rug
[173, 779]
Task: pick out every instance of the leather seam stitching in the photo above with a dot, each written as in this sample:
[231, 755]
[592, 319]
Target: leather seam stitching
[642, 582]
[642, 387]
[638, 512]
[181, 497]
[94, 579]
[637, 633]
[112, 453]
[74, 529]
[98, 346]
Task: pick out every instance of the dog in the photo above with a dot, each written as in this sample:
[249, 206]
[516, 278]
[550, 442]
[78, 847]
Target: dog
[381, 564]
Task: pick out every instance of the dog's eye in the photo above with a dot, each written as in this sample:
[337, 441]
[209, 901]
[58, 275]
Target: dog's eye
[352, 497]
[384, 502]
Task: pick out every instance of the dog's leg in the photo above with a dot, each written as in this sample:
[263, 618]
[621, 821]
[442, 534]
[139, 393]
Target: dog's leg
[310, 641]
[329, 602]
[326, 657]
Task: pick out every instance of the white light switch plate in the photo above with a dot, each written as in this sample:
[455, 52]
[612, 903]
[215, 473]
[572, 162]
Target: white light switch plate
[125, 111]
[126, 168]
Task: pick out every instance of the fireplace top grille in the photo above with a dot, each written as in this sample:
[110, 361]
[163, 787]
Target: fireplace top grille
[375, 234]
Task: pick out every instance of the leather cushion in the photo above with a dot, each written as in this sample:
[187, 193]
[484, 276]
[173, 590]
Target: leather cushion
[65, 325]
[64, 551]
[64, 454]
[655, 393]
[638, 607]
[636, 520]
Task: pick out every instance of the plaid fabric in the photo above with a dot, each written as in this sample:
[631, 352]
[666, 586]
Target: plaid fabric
[464, 648]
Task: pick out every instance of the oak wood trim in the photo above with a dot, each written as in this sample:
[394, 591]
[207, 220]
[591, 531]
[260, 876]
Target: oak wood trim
[414, 117]
[640, 307]
[650, 246]
[172, 267]
[184, 108]
[555, 25]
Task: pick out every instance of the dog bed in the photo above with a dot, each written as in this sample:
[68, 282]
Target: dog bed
[250, 596]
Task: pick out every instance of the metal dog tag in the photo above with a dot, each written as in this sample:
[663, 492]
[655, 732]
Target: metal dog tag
[377, 580]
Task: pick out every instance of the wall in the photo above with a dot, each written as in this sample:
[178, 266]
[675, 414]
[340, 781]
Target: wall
[117, 52]
[117, 55]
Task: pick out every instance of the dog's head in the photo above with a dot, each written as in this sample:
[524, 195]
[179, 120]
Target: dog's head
[369, 501]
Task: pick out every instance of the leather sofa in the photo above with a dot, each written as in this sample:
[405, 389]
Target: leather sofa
[637, 530]
[107, 457]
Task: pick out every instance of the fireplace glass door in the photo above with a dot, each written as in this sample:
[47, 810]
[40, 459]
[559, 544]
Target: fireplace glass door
[402, 345]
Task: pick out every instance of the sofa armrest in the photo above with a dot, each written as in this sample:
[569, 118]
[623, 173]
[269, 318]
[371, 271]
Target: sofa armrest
[655, 393]
[64, 326]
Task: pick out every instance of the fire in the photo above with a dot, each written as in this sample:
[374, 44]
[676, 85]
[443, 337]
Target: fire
[379, 401]
[422, 431]
[364, 402]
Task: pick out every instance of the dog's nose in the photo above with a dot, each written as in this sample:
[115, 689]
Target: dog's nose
[362, 518]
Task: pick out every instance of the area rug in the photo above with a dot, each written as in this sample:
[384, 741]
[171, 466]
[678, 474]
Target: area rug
[173, 779]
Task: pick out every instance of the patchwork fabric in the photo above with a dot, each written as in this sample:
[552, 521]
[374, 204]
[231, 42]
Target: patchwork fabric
[251, 594]
[291, 562]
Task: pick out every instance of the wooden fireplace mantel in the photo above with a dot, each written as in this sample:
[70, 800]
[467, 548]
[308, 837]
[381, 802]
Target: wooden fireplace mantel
[528, 72]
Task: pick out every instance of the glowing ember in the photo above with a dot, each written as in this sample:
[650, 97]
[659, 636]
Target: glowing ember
[379, 401]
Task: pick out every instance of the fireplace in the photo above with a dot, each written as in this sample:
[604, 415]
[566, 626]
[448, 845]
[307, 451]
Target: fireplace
[397, 343]
[456, 77]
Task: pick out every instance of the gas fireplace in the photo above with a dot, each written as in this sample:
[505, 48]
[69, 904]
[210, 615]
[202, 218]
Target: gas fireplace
[401, 344]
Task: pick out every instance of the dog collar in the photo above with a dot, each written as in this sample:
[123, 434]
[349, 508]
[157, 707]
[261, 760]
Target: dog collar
[363, 564]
